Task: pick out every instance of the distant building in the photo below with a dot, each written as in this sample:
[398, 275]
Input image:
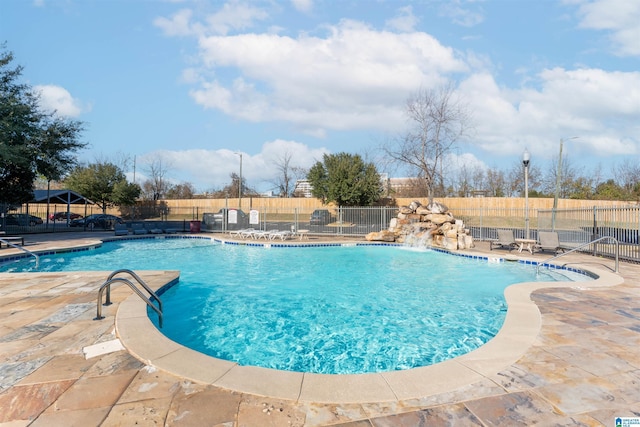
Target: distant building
[303, 188]
[389, 185]
[401, 185]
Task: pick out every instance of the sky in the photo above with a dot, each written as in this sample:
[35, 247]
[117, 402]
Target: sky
[205, 86]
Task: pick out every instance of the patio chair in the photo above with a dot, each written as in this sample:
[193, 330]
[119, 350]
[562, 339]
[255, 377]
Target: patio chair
[548, 241]
[152, 229]
[241, 232]
[138, 228]
[506, 240]
[120, 230]
[282, 235]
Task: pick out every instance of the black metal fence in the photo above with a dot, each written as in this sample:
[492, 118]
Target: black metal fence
[574, 226]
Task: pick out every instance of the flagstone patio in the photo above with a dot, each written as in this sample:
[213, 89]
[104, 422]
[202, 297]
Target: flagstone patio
[60, 367]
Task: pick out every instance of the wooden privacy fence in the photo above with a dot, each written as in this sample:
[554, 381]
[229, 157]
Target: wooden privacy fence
[576, 221]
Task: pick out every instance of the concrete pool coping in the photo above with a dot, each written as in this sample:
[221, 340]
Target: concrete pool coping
[521, 328]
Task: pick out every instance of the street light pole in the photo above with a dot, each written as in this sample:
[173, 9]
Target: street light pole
[558, 181]
[240, 184]
[525, 161]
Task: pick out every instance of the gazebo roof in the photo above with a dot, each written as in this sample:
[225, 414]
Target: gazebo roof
[59, 196]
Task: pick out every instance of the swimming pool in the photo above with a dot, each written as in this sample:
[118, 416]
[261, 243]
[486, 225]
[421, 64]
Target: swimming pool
[320, 309]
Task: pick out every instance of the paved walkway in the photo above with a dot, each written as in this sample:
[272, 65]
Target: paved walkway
[59, 367]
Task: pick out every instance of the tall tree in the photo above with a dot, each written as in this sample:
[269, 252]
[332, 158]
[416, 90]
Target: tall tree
[346, 180]
[103, 183]
[32, 141]
[437, 120]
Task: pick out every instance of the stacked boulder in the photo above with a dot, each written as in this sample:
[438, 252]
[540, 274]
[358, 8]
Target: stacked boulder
[430, 225]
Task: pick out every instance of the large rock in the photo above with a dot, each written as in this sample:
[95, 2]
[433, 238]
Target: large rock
[430, 225]
[440, 219]
[381, 236]
[437, 207]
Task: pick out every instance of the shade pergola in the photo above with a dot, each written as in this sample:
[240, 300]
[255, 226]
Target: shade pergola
[63, 197]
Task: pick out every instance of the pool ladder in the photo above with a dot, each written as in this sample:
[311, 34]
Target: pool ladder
[112, 279]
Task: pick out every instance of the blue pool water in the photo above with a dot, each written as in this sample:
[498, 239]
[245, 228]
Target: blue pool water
[317, 309]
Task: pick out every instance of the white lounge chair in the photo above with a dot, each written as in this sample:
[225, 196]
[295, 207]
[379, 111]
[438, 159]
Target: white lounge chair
[282, 235]
[240, 232]
[505, 240]
[260, 234]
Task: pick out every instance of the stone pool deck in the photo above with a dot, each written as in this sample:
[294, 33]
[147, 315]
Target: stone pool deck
[577, 364]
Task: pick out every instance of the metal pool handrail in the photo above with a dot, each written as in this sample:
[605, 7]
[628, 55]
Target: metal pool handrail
[111, 279]
[617, 264]
[37, 257]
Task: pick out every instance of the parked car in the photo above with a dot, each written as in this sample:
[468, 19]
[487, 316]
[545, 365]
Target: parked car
[23, 219]
[103, 221]
[320, 217]
[62, 216]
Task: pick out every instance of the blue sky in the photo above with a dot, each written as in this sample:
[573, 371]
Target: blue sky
[195, 82]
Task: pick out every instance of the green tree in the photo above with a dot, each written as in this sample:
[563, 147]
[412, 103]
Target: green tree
[610, 190]
[103, 183]
[346, 180]
[32, 142]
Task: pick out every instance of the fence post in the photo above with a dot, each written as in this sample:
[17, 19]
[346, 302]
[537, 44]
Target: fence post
[482, 235]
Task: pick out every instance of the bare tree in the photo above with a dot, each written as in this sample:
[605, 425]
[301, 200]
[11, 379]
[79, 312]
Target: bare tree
[288, 174]
[495, 183]
[568, 175]
[156, 186]
[627, 174]
[514, 185]
[437, 120]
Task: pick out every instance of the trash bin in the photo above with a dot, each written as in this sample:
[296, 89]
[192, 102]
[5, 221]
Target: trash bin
[194, 226]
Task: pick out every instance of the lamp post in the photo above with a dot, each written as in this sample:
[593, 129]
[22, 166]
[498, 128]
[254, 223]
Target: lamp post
[558, 181]
[240, 184]
[525, 161]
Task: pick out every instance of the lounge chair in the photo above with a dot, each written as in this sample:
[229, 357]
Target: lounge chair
[282, 235]
[506, 240]
[9, 239]
[260, 234]
[166, 228]
[121, 230]
[241, 232]
[153, 229]
[138, 228]
[548, 241]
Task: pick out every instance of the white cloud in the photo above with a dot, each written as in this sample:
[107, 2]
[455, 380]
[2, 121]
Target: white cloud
[302, 5]
[598, 106]
[354, 77]
[58, 99]
[461, 12]
[214, 167]
[621, 18]
[178, 25]
[234, 15]
[404, 21]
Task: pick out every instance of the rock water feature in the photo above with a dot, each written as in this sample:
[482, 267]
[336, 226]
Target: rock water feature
[425, 226]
